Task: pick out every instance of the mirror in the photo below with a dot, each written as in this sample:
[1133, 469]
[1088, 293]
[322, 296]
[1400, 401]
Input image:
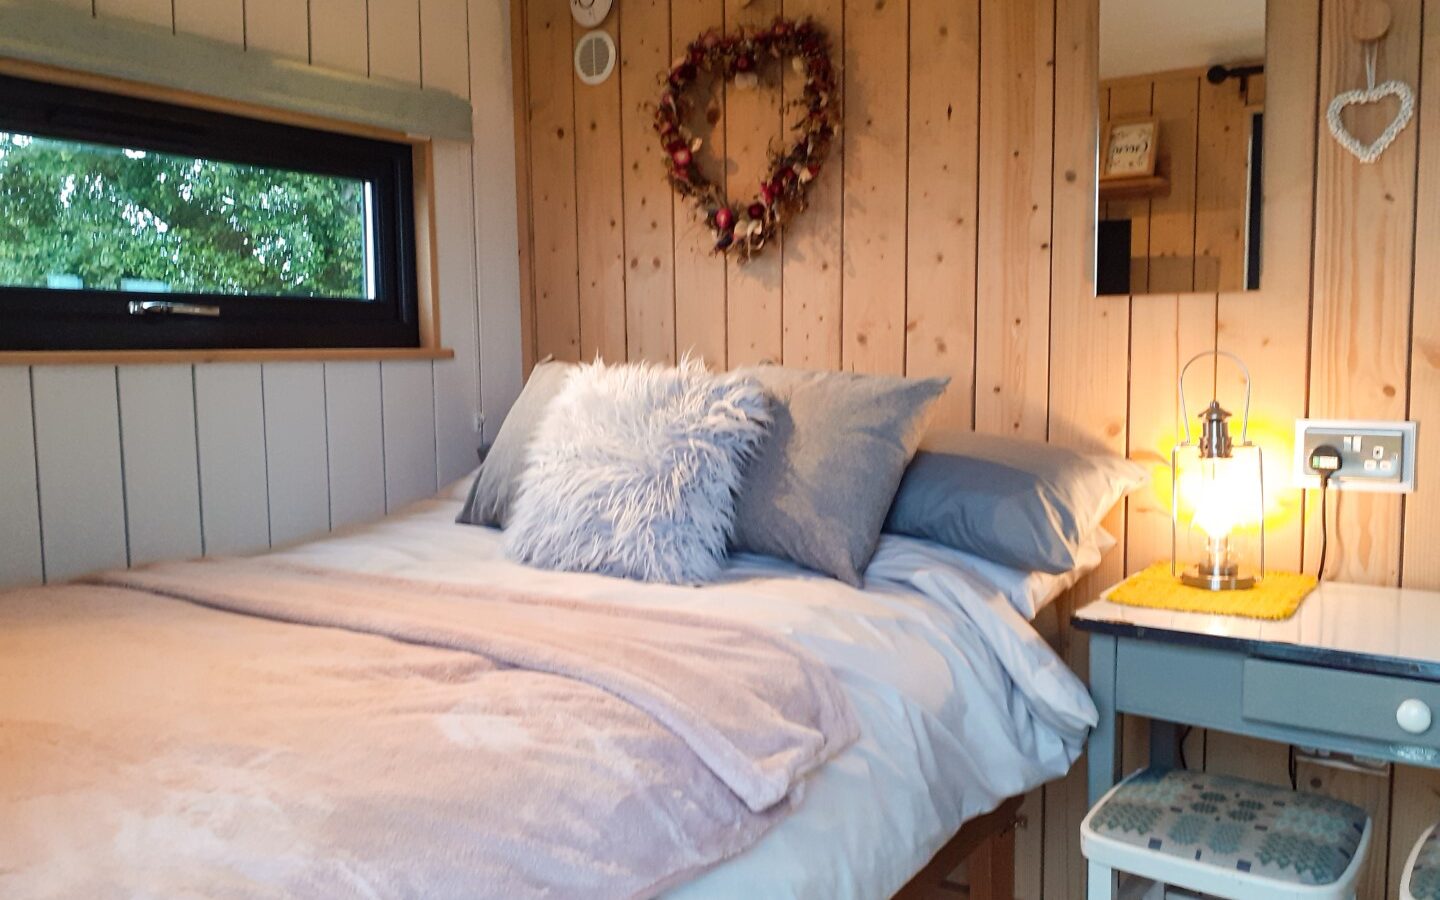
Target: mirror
[1182, 97]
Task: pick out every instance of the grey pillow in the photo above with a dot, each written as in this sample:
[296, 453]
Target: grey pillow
[1023, 504]
[839, 442]
[495, 487]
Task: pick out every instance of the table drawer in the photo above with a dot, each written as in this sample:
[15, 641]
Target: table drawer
[1343, 703]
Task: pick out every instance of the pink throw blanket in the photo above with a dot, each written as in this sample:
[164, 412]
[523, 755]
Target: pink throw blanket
[409, 739]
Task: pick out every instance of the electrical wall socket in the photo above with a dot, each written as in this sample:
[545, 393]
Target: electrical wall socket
[1375, 456]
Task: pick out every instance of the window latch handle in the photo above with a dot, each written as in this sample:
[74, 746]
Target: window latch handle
[170, 308]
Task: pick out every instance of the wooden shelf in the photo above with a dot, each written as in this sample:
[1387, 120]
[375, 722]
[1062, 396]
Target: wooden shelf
[1134, 188]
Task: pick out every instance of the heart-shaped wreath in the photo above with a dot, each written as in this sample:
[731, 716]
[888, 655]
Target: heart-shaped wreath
[745, 229]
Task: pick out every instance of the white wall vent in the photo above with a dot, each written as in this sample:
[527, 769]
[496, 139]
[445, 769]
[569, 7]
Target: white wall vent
[595, 57]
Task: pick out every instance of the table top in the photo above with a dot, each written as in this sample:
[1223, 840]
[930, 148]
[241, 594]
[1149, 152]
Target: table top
[1382, 630]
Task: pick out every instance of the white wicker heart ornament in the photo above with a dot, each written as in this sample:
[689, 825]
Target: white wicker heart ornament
[1368, 153]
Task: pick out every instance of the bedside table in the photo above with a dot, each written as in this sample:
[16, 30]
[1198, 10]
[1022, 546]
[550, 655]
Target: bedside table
[1355, 670]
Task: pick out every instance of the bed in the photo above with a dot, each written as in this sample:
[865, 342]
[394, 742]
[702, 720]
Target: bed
[960, 704]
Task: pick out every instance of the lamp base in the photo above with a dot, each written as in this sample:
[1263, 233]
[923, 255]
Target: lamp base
[1228, 579]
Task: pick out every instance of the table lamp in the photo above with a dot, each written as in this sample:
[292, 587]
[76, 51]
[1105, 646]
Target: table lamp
[1217, 499]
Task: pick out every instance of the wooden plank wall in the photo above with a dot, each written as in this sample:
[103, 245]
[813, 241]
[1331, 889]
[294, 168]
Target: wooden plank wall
[109, 465]
[951, 234]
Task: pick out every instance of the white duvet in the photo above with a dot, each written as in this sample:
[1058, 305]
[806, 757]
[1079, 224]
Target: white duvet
[961, 703]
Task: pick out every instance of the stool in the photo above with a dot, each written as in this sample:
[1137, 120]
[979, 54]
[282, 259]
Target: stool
[1422, 871]
[1224, 836]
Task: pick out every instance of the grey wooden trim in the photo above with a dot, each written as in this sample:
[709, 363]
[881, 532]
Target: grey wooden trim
[50, 34]
[1103, 751]
[1208, 688]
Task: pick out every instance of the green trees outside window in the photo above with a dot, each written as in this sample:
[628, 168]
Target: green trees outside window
[76, 214]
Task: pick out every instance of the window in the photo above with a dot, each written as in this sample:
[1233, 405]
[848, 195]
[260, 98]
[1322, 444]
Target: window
[129, 224]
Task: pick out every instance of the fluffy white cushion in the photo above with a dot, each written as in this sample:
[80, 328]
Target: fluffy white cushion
[633, 472]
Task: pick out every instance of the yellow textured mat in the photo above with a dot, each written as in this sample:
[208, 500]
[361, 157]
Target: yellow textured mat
[1277, 596]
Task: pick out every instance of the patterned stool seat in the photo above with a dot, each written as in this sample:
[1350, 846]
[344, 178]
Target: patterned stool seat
[1227, 836]
[1422, 872]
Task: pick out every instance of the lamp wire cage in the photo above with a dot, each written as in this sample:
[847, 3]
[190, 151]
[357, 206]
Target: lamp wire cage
[1215, 443]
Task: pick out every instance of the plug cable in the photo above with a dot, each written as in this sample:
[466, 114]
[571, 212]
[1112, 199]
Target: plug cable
[1325, 461]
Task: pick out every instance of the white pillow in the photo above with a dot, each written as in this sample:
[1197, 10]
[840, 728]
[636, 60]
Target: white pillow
[1030, 592]
[633, 472]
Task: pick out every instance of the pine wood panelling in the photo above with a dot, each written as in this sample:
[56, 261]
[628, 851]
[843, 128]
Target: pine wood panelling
[810, 271]
[77, 445]
[752, 123]
[701, 325]
[1172, 217]
[1165, 333]
[1013, 297]
[1132, 100]
[552, 202]
[600, 214]
[940, 266]
[1266, 327]
[162, 487]
[1416, 792]
[1360, 342]
[20, 556]
[1089, 342]
[1220, 221]
[647, 217]
[1416, 798]
[1013, 141]
[1422, 509]
[876, 126]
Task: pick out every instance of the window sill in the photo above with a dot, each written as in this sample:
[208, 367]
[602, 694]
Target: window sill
[148, 357]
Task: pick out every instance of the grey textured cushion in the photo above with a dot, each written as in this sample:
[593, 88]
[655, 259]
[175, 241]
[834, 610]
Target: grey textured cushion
[634, 472]
[1023, 504]
[839, 442]
[499, 479]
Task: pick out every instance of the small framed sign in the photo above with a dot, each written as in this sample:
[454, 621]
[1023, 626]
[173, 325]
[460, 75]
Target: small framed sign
[1128, 148]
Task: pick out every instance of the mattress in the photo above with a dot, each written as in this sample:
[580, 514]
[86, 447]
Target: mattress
[961, 703]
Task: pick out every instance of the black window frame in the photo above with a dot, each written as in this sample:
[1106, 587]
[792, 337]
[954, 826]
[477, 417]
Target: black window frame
[47, 319]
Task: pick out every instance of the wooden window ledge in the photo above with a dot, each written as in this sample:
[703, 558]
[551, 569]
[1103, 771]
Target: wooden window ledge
[151, 357]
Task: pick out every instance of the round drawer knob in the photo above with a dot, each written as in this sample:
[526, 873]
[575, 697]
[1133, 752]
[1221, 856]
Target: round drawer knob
[1413, 716]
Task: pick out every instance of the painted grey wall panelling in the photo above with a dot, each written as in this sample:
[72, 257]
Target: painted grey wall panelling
[77, 445]
[407, 390]
[230, 425]
[162, 480]
[172, 461]
[356, 442]
[20, 560]
[296, 457]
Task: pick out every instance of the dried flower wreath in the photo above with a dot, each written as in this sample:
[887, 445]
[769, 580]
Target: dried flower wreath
[746, 228]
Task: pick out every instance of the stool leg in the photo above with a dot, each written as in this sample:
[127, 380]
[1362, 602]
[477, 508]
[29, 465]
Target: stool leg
[1102, 882]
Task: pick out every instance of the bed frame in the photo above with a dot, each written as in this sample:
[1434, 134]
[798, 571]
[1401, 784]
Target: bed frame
[987, 846]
